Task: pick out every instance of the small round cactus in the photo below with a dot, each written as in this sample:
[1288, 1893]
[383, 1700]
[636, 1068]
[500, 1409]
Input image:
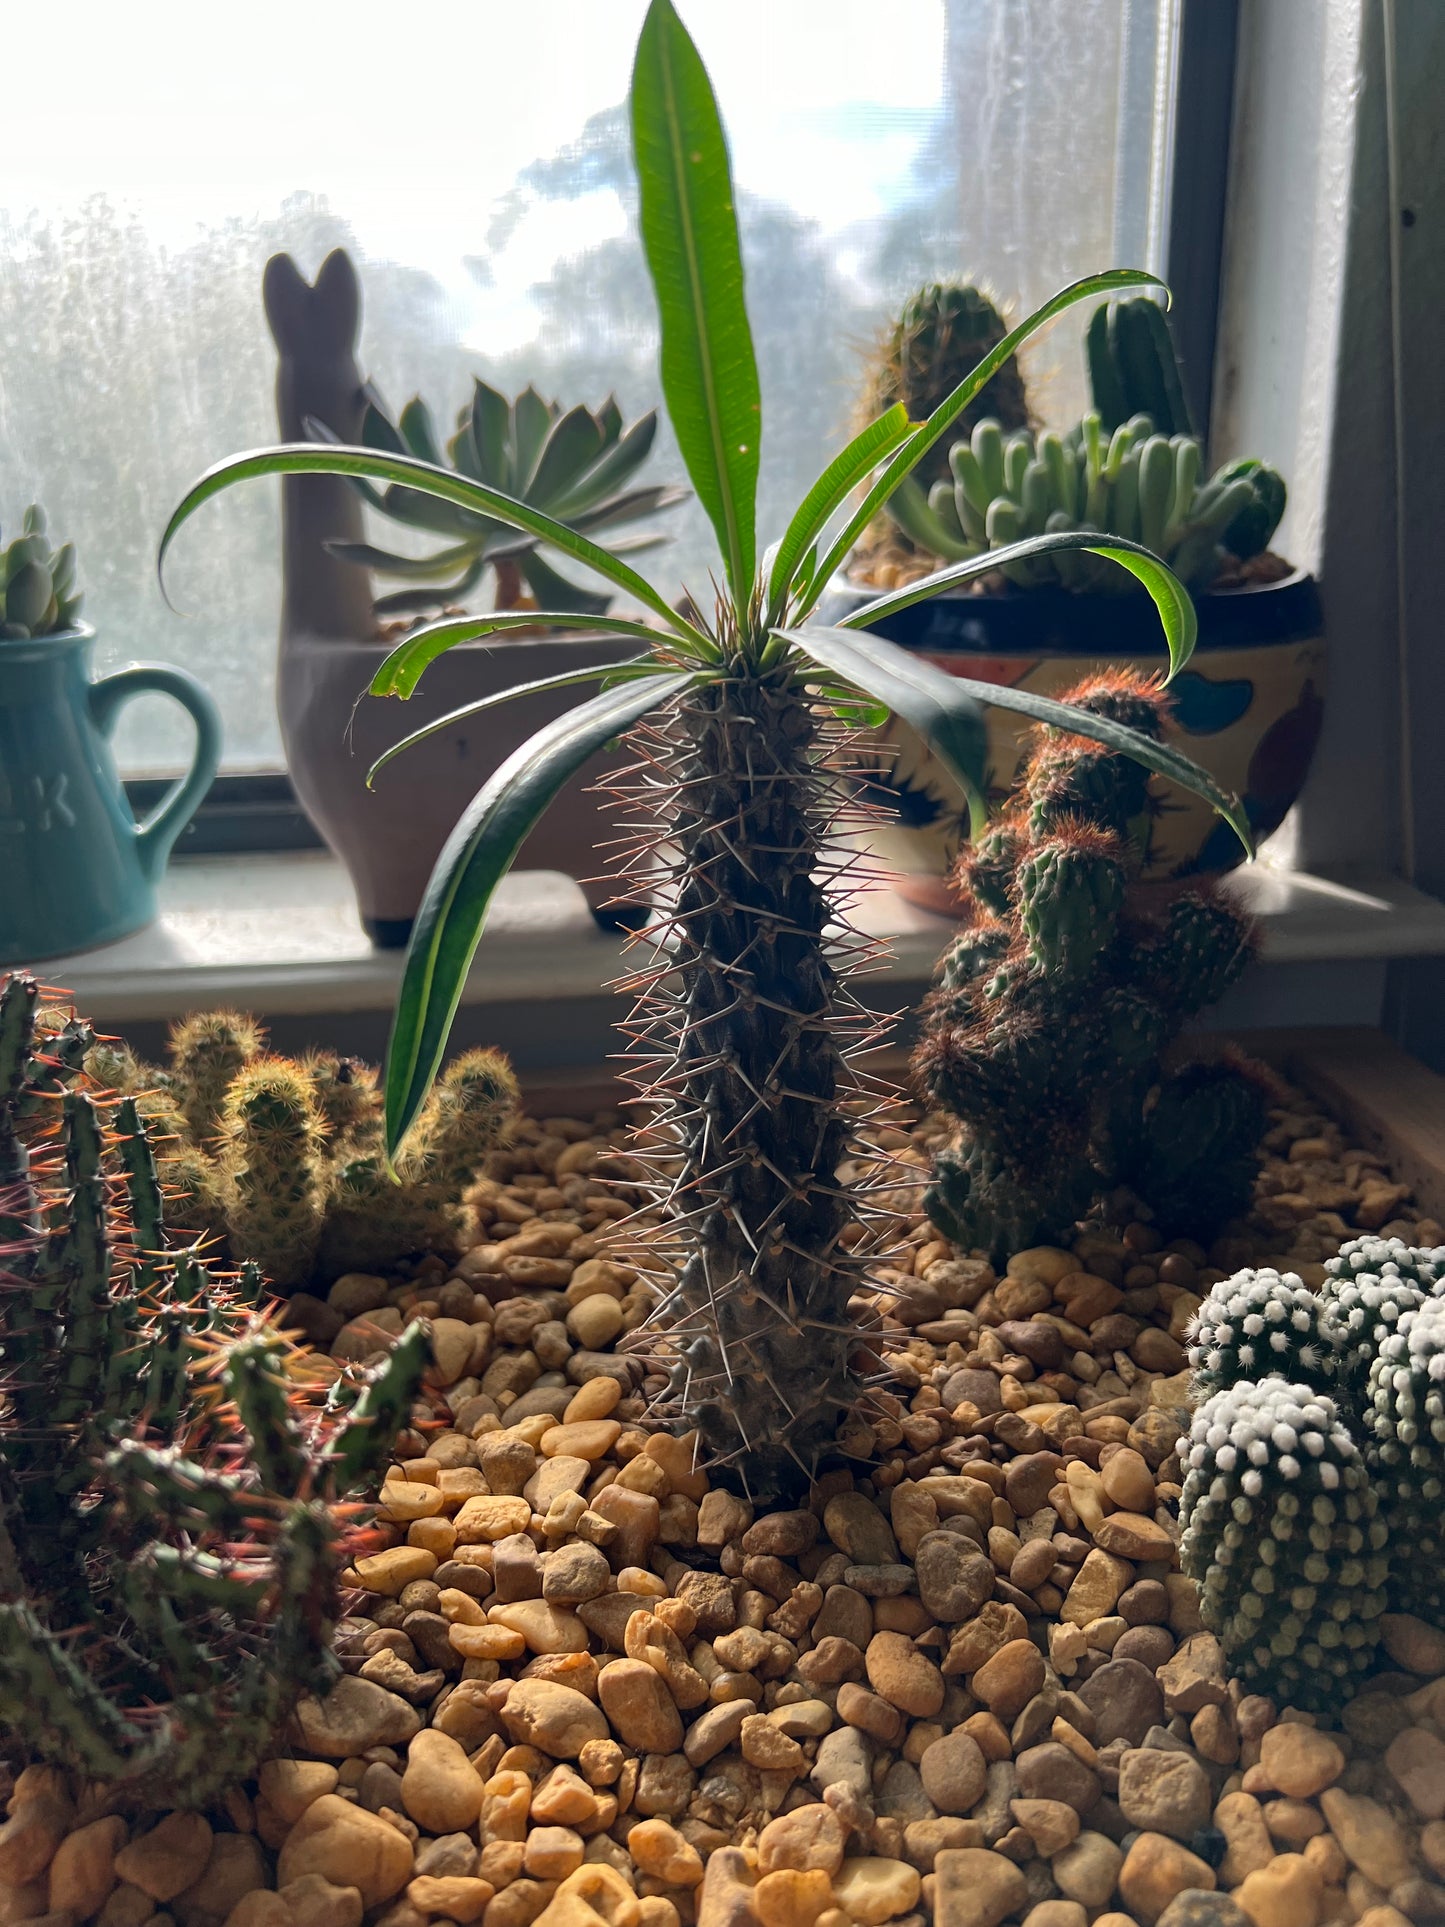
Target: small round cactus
[38, 593]
[1283, 1535]
[1405, 1419]
[1385, 1258]
[1261, 1324]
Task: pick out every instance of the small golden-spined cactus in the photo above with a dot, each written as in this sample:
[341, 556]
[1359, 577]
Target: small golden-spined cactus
[345, 1091]
[276, 1179]
[207, 1050]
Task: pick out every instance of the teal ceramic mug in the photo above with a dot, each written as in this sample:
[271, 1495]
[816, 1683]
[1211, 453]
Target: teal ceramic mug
[76, 869]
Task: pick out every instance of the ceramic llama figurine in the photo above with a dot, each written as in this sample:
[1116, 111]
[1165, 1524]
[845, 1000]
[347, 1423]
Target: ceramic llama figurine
[389, 838]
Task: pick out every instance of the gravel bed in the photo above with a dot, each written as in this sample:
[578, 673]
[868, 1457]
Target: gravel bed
[966, 1683]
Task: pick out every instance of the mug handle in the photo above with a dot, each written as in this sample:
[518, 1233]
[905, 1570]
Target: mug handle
[155, 837]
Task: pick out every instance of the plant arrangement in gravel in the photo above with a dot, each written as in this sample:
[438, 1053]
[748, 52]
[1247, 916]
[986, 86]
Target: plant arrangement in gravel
[171, 1472]
[38, 596]
[283, 1158]
[574, 465]
[1044, 1036]
[1316, 1464]
[740, 711]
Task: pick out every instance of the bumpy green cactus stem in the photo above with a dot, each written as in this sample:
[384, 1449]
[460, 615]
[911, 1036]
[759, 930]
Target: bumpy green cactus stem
[168, 1557]
[275, 1174]
[1133, 369]
[1043, 1037]
[1261, 1324]
[1405, 1418]
[1283, 1534]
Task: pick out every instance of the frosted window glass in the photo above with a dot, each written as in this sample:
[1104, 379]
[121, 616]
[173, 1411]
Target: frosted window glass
[473, 157]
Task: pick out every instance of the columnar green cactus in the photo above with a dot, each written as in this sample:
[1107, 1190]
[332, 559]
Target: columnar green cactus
[939, 336]
[1135, 482]
[1282, 1532]
[1405, 1420]
[169, 1540]
[283, 1159]
[38, 596]
[1132, 367]
[1044, 1035]
[1261, 1324]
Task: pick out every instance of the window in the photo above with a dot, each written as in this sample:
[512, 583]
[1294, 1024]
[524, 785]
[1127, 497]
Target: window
[474, 160]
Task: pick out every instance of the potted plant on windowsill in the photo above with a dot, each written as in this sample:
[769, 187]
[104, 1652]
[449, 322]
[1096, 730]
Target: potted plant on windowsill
[76, 869]
[577, 464]
[1248, 708]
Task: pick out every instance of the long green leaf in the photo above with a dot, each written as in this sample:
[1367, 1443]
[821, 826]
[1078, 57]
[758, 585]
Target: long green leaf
[864, 659]
[569, 679]
[942, 709]
[907, 457]
[690, 235]
[838, 480]
[309, 458]
[1171, 598]
[477, 855]
[403, 668]
[420, 567]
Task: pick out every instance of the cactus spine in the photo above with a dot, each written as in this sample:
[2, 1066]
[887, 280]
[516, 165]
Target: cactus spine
[1043, 1036]
[169, 1547]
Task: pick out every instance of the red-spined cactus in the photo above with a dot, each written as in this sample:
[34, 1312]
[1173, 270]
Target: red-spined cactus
[1054, 1003]
[171, 1477]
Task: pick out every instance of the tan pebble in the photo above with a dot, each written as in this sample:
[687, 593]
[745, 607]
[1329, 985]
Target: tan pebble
[486, 1642]
[903, 1676]
[36, 1827]
[1052, 1825]
[594, 1400]
[451, 1344]
[260, 1908]
[975, 1886]
[1292, 1822]
[552, 1853]
[235, 1867]
[1007, 1682]
[557, 1720]
[1155, 1869]
[440, 1788]
[789, 1898]
[872, 1890]
[660, 1850]
[642, 1711]
[387, 1572]
[314, 1902]
[1096, 1588]
[602, 1891]
[167, 1859]
[484, 1520]
[348, 1846]
[1129, 1535]
[595, 1321]
[291, 1785]
[1127, 1481]
[768, 1748]
[1372, 1838]
[591, 1440]
[83, 1872]
[1284, 1894]
[1385, 1916]
[1240, 1818]
[402, 1501]
[1299, 1760]
[459, 1897]
[564, 1799]
[1043, 1264]
[809, 1837]
[545, 1628]
[1415, 1760]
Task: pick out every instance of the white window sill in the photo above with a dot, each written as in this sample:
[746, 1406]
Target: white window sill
[279, 934]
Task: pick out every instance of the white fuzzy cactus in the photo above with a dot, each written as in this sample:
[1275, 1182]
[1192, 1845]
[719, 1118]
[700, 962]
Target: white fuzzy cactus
[1260, 1324]
[1282, 1534]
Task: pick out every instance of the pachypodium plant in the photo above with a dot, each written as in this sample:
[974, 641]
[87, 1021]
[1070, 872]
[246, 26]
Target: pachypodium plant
[575, 464]
[171, 1476]
[1284, 1535]
[1136, 482]
[1043, 1038]
[741, 710]
[38, 596]
[283, 1158]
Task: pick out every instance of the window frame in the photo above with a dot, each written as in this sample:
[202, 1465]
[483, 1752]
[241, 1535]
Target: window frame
[245, 812]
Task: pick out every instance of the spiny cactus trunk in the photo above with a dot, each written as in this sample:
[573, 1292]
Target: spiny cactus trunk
[747, 1020]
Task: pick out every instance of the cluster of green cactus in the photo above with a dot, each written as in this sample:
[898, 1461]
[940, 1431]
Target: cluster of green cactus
[170, 1474]
[575, 465]
[936, 340]
[1317, 1464]
[1136, 482]
[283, 1158]
[38, 596]
[1043, 1037]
